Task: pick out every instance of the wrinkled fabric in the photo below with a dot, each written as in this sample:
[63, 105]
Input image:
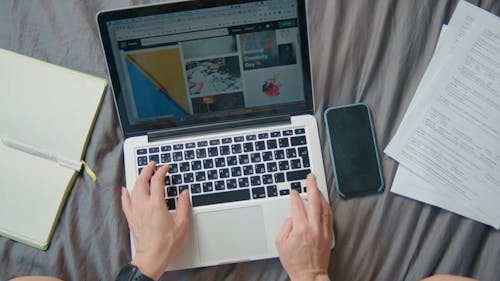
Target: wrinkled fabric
[362, 51]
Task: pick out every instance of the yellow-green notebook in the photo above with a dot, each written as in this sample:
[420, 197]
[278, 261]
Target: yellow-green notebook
[47, 114]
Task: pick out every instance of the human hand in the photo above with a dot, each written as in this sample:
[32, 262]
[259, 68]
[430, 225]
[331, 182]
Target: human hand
[157, 234]
[305, 238]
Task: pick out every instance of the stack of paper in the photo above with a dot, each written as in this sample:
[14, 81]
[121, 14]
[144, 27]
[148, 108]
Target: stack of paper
[448, 144]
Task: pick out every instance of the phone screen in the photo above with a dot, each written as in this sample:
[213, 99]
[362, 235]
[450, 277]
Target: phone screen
[354, 150]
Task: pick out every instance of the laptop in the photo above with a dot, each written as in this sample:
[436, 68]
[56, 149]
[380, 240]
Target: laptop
[222, 92]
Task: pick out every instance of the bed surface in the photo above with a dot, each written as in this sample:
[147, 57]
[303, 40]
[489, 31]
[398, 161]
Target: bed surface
[362, 51]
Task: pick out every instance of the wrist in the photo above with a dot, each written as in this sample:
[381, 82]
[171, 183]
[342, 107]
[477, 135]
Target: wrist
[149, 268]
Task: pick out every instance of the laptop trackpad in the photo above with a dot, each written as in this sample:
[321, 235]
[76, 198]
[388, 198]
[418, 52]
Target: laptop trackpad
[231, 235]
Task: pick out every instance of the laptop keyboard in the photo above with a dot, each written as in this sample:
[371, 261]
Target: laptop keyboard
[236, 168]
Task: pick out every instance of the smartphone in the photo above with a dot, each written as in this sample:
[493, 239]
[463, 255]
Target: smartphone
[354, 150]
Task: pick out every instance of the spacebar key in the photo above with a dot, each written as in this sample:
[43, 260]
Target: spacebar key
[220, 197]
[297, 175]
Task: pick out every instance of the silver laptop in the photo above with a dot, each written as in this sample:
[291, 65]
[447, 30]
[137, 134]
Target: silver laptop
[222, 92]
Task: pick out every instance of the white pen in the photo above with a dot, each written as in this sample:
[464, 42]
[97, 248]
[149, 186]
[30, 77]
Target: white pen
[40, 152]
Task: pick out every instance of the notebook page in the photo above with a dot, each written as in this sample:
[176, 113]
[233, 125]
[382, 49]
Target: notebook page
[46, 105]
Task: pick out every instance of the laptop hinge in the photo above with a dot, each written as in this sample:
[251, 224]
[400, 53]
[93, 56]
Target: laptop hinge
[218, 127]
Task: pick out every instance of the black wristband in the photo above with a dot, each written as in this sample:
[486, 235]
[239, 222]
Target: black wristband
[130, 272]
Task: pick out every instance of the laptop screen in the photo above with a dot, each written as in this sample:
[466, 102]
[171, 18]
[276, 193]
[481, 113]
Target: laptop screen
[194, 62]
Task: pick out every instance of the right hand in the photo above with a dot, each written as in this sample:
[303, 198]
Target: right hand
[305, 238]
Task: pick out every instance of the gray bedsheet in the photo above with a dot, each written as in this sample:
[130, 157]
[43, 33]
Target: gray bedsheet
[373, 51]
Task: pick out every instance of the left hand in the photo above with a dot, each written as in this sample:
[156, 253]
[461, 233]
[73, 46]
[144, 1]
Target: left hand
[157, 234]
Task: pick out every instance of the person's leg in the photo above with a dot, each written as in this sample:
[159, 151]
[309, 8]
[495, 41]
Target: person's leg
[35, 278]
[447, 278]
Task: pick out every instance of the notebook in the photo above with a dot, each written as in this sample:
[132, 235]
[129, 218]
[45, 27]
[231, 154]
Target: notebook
[222, 92]
[47, 113]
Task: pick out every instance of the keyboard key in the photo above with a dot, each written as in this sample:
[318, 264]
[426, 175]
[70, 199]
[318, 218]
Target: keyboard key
[170, 203]
[231, 184]
[236, 148]
[279, 154]
[154, 157]
[168, 181]
[267, 156]
[295, 164]
[154, 150]
[166, 158]
[255, 180]
[142, 151]
[224, 173]
[177, 156]
[208, 164]
[297, 175]
[284, 192]
[305, 162]
[283, 142]
[219, 185]
[287, 132]
[201, 153]
[188, 177]
[255, 157]
[213, 151]
[272, 191]
[200, 176]
[220, 197]
[276, 134]
[248, 147]
[176, 179]
[239, 139]
[190, 145]
[235, 172]
[248, 170]
[279, 177]
[227, 140]
[171, 191]
[271, 167]
[231, 161]
[295, 141]
[224, 150]
[291, 153]
[202, 143]
[212, 175]
[258, 192]
[184, 167]
[214, 142]
[302, 151]
[260, 145]
[260, 168]
[243, 182]
[272, 144]
[196, 165]
[267, 179]
[178, 146]
[182, 188]
[208, 186]
[173, 168]
[195, 188]
[251, 137]
[166, 148]
[189, 154]
[263, 136]
[142, 161]
[243, 159]
[296, 186]
[139, 170]
[300, 131]
[220, 162]
[283, 165]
